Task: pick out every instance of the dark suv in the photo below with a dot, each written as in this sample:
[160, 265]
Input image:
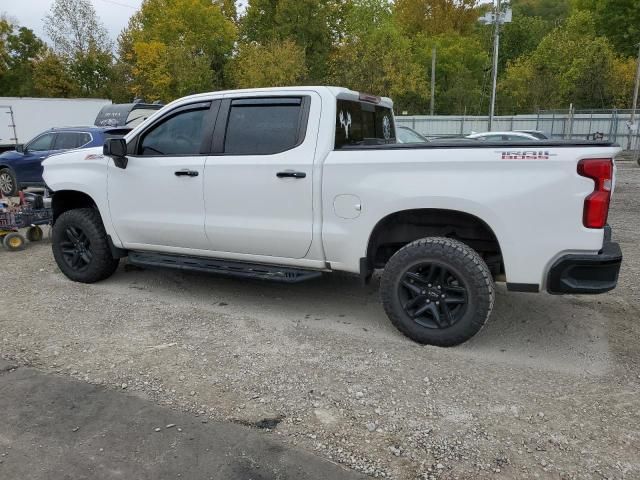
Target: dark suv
[22, 167]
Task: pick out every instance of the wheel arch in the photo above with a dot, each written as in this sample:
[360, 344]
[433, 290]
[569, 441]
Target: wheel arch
[404, 226]
[65, 200]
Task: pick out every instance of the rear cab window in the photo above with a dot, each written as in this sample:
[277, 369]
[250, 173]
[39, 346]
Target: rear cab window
[363, 122]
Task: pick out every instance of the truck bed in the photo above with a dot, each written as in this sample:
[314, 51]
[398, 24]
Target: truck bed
[470, 143]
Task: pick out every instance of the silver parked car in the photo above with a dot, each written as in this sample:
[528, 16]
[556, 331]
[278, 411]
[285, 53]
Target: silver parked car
[503, 136]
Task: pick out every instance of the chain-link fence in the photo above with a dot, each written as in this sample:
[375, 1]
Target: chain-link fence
[612, 125]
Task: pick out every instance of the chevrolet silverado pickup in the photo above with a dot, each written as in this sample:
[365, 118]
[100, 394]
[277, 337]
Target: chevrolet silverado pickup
[288, 183]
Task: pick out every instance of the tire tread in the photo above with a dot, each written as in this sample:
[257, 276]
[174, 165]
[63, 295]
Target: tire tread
[103, 264]
[474, 266]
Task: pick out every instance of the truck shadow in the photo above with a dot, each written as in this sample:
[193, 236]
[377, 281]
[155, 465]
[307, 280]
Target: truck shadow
[544, 331]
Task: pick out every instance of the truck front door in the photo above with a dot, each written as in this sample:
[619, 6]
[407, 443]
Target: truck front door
[258, 185]
[29, 169]
[156, 201]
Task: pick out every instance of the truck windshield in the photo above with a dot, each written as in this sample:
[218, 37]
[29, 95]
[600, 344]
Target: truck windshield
[359, 123]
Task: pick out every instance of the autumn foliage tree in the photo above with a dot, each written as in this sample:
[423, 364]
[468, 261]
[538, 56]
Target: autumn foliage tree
[19, 49]
[572, 64]
[275, 64]
[436, 16]
[553, 53]
[177, 47]
[374, 56]
[82, 44]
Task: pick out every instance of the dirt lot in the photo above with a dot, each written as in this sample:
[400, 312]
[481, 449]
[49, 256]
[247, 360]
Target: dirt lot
[549, 389]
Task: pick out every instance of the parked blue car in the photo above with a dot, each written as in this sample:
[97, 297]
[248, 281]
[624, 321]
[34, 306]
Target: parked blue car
[22, 167]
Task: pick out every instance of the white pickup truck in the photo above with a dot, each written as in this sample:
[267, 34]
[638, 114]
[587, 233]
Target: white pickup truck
[288, 183]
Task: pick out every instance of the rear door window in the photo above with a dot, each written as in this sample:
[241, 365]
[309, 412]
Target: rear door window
[71, 140]
[264, 126]
[359, 123]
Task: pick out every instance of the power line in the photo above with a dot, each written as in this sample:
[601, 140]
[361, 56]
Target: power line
[113, 2]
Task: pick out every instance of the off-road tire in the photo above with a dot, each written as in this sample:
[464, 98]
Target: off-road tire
[10, 177]
[468, 266]
[87, 220]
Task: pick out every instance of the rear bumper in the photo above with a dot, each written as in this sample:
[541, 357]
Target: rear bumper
[577, 273]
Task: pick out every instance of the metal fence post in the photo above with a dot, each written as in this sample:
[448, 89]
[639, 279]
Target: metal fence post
[614, 119]
[570, 134]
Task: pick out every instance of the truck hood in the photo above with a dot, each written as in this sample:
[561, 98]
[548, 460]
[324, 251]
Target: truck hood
[72, 155]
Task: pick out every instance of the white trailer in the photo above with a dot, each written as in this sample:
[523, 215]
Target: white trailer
[22, 118]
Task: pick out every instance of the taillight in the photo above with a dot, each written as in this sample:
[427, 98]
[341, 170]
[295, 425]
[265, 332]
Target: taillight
[596, 205]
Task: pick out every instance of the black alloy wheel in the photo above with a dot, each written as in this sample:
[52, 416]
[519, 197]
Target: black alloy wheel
[433, 295]
[76, 248]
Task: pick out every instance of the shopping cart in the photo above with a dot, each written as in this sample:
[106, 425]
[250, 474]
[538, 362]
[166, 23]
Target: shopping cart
[12, 219]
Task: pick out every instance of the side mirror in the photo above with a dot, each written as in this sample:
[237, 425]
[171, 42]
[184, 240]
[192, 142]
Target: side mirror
[20, 148]
[116, 148]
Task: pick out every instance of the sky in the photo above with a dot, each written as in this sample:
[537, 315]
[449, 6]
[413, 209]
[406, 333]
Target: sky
[114, 14]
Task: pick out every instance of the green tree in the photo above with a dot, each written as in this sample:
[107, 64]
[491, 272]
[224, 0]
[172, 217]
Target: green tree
[19, 47]
[176, 47]
[461, 71]
[51, 77]
[572, 64]
[554, 10]
[82, 43]
[522, 36]
[276, 64]
[618, 20]
[311, 24]
[433, 17]
[362, 17]
[381, 62]
[229, 9]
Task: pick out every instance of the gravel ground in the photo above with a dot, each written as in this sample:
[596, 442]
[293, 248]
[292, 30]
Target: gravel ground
[549, 389]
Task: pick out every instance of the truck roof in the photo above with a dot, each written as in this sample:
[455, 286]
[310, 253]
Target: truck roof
[338, 92]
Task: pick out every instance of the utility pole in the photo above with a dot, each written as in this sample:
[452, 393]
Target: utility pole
[496, 49]
[433, 80]
[495, 18]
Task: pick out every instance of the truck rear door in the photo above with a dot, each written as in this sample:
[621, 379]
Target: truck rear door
[258, 184]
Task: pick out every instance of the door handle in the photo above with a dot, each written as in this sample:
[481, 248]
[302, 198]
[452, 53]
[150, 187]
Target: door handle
[291, 174]
[186, 173]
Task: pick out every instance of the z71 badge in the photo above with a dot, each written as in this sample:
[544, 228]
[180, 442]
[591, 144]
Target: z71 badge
[526, 155]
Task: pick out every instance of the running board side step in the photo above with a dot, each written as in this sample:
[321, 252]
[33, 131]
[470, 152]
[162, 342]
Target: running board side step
[222, 267]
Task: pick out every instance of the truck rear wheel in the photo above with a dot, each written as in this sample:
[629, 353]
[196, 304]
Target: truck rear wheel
[80, 247]
[437, 291]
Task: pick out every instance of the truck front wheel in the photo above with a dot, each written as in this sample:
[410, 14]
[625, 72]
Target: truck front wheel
[437, 291]
[80, 246]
